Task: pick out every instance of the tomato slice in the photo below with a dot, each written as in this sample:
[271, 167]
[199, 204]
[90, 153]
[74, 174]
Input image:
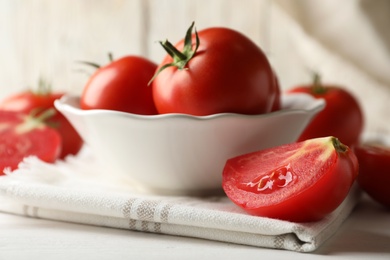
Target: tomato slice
[22, 136]
[28, 101]
[299, 182]
[374, 171]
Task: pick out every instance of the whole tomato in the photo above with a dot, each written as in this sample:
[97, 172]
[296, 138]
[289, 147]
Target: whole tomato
[374, 171]
[342, 116]
[121, 85]
[299, 182]
[42, 99]
[24, 135]
[224, 71]
[277, 105]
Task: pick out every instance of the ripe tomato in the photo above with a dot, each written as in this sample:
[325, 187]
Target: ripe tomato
[23, 135]
[342, 116]
[43, 99]
[374, 171]
[277, 105]
[298, 182]
[223, 72]
[121, 85]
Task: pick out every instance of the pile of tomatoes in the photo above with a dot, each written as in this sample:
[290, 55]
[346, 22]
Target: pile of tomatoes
[218, 70]
[214, 71]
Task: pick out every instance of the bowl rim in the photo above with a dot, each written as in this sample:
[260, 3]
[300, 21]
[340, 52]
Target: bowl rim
[315, 105]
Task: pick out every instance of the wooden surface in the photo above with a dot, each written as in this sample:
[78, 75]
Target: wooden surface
[346, 42]
[46, 38]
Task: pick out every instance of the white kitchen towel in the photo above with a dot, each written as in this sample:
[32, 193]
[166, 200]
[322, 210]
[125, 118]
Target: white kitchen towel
[77, 190]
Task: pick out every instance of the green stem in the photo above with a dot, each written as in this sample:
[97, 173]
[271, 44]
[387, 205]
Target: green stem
[180, 58]
[44, 87]
[339, 146]
[318, 88]
[95, 65]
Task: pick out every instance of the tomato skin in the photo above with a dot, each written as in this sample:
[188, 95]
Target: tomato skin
[121, 85]
[315, 189]
[228, 73]
[342, 116]
[15, 143]
[27, 101]
[277, 104]
[374, 171]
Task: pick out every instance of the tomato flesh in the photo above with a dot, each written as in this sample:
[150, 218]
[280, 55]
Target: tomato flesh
[298, 182]
[271, 181]
[18, 140]
[374, 171]
[26, 102]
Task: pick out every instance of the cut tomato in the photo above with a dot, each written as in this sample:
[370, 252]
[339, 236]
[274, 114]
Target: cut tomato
[28, 101]
[299, 182]
[22, 136]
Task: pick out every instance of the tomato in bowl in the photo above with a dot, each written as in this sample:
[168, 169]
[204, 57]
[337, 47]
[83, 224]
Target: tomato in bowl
[183, 154]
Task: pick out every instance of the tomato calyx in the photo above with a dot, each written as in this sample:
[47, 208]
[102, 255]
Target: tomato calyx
[95, 65]
[180, 58]
[318, 88]
[339, 146]
[44, 88]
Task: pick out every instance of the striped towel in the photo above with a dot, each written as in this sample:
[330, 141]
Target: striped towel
[77, 190]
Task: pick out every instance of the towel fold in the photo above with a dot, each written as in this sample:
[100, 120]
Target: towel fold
[78, 190]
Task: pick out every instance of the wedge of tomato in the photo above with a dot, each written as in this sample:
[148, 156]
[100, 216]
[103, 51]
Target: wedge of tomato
[24, 135]
[299, 182]
[374, 171]
[42, 99]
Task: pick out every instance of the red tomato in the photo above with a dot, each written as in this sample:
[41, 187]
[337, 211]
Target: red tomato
[43, 99]
[22, 135]
[224, 72]
[121, 85]
[277, 105]
[342, 116]
[374, 171]
[298, 182]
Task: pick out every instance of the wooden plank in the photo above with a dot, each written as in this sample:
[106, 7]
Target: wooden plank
[46, 38]
[170, 19]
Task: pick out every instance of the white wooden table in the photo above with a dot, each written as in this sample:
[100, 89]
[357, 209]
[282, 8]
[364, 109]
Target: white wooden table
[365, 235]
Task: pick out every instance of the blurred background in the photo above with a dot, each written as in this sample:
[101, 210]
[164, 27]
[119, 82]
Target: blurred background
[347, 42]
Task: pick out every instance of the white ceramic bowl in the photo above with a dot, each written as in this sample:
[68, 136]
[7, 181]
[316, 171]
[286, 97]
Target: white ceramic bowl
[183, 154]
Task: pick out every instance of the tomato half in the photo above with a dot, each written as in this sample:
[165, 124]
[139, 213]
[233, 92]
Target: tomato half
[121, 85]
[28, 101]
[374, 171]
[342, 116]
[23, 135]
[298, 182]
[224, 71]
